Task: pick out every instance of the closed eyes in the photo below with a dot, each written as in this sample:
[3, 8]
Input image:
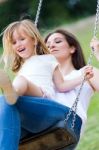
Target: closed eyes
[57, 40]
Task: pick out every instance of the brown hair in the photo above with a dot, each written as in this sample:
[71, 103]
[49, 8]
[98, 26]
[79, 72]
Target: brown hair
[77, 57]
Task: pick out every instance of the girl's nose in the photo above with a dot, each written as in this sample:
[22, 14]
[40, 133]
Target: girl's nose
[18, 43]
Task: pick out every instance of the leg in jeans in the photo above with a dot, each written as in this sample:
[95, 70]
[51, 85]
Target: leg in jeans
[9, 126]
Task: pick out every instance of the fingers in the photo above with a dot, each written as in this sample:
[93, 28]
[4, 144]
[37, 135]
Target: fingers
[88, 71]
[89, 75]
[94, 44]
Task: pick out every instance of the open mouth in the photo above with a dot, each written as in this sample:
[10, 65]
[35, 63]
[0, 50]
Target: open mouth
[21, 50]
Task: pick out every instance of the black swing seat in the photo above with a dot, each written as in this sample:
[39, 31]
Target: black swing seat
[55, 134]
[50, 140]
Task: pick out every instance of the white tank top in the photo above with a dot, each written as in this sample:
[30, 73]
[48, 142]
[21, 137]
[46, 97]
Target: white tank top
[69, 97]
[38, 69]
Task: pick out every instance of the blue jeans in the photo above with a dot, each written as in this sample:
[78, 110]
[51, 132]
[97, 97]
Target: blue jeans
[29, 115]
[9, 126]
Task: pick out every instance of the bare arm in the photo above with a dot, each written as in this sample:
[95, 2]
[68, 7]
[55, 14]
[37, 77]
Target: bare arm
[95, 45]
[63, 86]
[94, 81]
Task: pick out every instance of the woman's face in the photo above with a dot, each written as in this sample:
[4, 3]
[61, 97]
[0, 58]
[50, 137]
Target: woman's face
[59, 47]
[22, 44]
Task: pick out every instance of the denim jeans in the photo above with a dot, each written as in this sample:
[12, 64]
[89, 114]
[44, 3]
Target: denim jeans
[9, 126]
[29, 114]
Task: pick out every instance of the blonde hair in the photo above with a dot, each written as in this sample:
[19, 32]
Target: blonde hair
[10, 58]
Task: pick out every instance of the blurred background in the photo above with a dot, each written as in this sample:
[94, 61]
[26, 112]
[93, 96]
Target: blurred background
[77, 16]
[53, 12]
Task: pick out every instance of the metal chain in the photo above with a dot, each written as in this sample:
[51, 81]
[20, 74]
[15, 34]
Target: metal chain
[73, 109]
[38, 12]
[97, 19]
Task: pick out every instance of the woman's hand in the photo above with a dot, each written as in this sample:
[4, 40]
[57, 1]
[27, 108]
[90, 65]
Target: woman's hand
[88, 72]
[94, 44]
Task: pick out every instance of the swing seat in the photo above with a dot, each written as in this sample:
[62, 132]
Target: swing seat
[44, 121]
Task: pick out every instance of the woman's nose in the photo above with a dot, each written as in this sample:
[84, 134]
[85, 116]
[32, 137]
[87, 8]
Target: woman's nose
[52, 46]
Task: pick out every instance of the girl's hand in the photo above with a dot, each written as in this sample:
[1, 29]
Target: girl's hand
[94, 44]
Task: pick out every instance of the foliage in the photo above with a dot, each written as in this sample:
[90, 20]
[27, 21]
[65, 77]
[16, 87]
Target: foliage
[11, 10]
[53, 12]
[81, 7]
[56, 12]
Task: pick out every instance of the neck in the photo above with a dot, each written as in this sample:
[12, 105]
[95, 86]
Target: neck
[66, 66]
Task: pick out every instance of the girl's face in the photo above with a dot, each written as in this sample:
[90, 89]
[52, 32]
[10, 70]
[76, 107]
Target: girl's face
[22, 44]
[59, 47]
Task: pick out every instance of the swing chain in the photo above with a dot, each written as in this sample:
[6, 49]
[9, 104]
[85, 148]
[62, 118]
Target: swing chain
[96, 20]
[95, 32]
[74, 106]
[38, 12]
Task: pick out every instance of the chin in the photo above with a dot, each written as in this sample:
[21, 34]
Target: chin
[56, 55]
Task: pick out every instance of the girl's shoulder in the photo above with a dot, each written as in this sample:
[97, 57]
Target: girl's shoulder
[44, 57]
[73, 74]
[47, 57]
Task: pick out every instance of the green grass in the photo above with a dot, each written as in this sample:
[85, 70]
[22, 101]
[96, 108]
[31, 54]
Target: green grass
[90, 138]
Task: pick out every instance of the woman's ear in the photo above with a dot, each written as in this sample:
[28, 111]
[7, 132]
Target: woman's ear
[72, 49]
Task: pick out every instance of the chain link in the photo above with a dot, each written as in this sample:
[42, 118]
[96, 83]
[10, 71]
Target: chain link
[38, 12]
[96, 20]
[73, 109]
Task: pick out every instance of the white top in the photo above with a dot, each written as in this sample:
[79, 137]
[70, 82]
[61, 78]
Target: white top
[39, 70]
[69, 97]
